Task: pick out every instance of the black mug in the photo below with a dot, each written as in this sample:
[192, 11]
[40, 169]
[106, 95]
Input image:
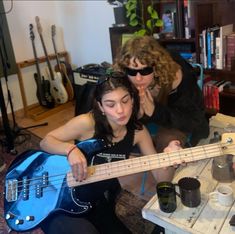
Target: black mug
[189, 189]
[166, 196]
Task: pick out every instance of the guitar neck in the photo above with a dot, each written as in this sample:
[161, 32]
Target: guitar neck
[56, 54]
[37, 62]
[47, 58]
[146, 163]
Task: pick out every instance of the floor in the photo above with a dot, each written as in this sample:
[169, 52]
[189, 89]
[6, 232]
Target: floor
[131, 183]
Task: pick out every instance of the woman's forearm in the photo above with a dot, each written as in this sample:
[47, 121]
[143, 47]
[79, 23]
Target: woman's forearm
[55, 146]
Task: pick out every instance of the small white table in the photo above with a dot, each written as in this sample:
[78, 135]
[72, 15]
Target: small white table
[208, 217]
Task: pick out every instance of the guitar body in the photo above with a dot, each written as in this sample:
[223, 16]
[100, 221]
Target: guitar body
[50, 101]
[36, 187]
[44, 96]
[57, 89]
[65, 79]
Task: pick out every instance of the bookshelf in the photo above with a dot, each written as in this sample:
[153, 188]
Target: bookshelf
[202, 14]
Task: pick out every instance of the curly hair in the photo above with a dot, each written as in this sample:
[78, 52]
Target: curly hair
[149, 52]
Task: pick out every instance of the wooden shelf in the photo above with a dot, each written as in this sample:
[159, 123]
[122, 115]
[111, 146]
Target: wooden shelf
[42, 59]
[218, 74]
[177, 40]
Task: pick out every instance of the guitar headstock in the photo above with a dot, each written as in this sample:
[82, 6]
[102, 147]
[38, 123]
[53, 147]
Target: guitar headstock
[32, 36]
[53, 30]
[39, 27]
[228, 143]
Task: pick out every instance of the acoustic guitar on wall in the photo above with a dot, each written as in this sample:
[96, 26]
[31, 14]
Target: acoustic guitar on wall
[57, 88]
[43, 86]
[61, 67]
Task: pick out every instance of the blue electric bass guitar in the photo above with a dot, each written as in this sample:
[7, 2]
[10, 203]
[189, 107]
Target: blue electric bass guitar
[38, 184]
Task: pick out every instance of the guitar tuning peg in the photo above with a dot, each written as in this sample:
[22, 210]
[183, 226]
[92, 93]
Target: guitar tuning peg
[216, 138]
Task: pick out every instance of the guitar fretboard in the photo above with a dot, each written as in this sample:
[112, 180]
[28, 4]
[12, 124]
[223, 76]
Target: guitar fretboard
[146, 163]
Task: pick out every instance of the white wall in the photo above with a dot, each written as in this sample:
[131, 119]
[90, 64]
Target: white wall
[82, 29]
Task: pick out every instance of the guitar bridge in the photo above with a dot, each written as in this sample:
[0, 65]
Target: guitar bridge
[12, 190]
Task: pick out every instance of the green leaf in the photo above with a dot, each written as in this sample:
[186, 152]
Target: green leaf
[127, 6]
[141, 32]
[128, 14]
[133, 16]
[132, 8]
[159, 23]
[134, 23]
[154, 14]
[149, 24]
[150, 9]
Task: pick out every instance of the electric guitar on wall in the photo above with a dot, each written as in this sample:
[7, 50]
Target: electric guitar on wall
[61, 67]
[37, 183]
[57, 88]
[43, 86]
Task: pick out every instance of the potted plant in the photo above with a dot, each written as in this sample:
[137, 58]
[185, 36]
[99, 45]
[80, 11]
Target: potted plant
[135, 14]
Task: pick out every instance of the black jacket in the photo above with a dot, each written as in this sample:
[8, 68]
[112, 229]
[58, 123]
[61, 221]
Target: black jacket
[185, 108]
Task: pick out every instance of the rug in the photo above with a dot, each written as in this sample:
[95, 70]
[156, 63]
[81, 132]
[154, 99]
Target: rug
[128, 205]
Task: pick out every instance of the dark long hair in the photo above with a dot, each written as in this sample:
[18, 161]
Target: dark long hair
[105, 85]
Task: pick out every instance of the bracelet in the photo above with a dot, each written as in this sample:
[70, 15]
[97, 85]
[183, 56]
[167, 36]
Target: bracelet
[71, 149]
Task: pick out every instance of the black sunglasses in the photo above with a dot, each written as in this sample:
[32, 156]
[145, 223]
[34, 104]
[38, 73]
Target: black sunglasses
[116, 75]
[143, 72]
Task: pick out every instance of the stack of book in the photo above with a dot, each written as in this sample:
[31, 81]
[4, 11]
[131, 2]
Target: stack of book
[217, 47]
[211, 90]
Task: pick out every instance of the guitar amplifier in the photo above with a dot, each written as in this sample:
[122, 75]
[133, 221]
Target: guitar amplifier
[85, 79]
[88, 73]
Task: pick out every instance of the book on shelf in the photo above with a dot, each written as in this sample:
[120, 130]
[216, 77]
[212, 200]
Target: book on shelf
[180, 18]
[204, 46]
[208, 48]
[186, 12]
[211, 95]
[230, 50]
[211, 90]
[221, 45]
[214, 32]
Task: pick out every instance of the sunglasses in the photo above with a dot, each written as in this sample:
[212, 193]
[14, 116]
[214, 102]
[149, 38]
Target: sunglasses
[116, 75]
[143, 72]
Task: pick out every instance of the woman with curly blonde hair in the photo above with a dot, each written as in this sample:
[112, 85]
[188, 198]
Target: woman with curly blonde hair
[167, 84]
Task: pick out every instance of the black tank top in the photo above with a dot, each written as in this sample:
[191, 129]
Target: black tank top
[108, 188]
[119, 151]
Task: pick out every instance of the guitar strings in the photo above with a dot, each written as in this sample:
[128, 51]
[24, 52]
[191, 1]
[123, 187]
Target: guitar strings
[132, 165]
[38, 178]
[152, 159]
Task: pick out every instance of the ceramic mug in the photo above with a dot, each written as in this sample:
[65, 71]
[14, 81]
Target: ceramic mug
[189, 191]
[166, 196]
[223, 194]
